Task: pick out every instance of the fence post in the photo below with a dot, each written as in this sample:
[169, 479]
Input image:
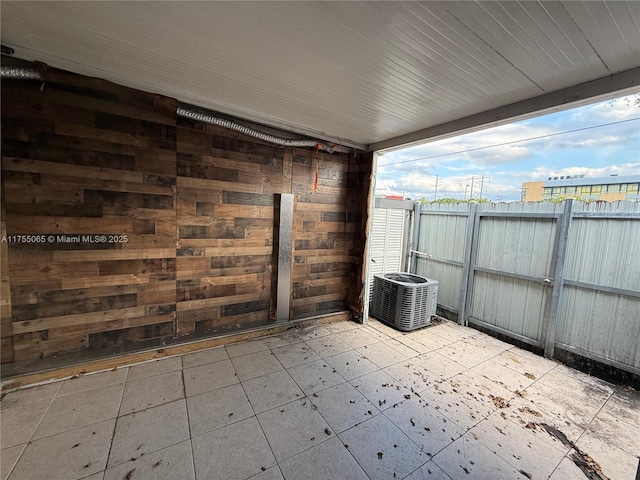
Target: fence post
[466, 267]
[560, 254]
[417, 215]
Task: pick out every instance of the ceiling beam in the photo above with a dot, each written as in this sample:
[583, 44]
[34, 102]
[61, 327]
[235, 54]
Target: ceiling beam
[582, 94]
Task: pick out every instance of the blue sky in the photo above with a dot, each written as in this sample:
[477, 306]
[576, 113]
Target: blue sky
[599, 151]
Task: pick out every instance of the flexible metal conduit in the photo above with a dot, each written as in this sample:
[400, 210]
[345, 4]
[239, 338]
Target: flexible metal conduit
[186, 111]
[189, 112]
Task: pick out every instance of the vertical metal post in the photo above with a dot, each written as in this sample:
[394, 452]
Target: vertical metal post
[415, 241]
[406, 242]
[367, 245]
[467, 267]
[285, 239]
[560, 254]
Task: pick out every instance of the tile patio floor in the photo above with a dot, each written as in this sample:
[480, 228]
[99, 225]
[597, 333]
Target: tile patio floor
[340, 401]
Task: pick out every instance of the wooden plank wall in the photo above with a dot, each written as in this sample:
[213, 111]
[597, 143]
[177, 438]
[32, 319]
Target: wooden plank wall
[89, 158]
[226, 185]
[326, 229]
[196, 202]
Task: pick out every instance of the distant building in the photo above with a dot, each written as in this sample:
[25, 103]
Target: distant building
[610, 189]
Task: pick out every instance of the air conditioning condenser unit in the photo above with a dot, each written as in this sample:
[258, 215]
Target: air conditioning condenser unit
[404, 300]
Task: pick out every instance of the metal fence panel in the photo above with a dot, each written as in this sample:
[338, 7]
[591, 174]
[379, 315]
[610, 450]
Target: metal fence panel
[518, 245]
[515, 247]
[441, 240]
[604, 253]
[511, 304]
[600, 324]
[448, 276]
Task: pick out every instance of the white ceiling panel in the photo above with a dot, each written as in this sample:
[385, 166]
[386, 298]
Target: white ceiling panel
[360, 72]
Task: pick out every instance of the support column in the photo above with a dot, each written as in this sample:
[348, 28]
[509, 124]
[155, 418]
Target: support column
[466, 283]
[285, 241]
[560, 255]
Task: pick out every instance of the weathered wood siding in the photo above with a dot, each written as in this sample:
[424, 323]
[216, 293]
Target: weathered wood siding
[196, 202]
[326, 224]
[225, 213]
[91, 158]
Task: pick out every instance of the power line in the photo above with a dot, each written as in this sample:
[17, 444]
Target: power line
[510, 143]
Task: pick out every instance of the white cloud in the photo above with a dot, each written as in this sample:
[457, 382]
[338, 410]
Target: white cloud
[386, 186]
[542, 173]
[509, 158]
[611, 110]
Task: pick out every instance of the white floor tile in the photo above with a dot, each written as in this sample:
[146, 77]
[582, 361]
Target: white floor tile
[341, 327]
[381, 354]
[315, 376]
[29, 395]
[295, 354]
[155, 367]
[205, 356]
[151, 391]
[485, 345]
[444, 402]
[429, 471]
[412, 375]
[329, 460]
[381, 389]
[525, 413]
[94, 380]
[616, 464]
[502, 375]
[329, 345]
[462, 354]
[624, 405]
[412, 342]
[351, 364]
[616, 432]
[382, 450]
[143, 432]
[383, 328]
[256, 365]
[20, 421]
[469, 458]
[525, 362]
[217, 408]
[358, 338]
[80, 409]
[423, 424]
[245, 348]
[171, 463]
[377, 334]
[239, 450]
[271, 391]
[518, 446]
[441, 365]
[574, 409]
[465, 407]
[343, 407]
[209, 376]
[430, 339]
[399, 345]
[293, 427]
[69, 455]
[306, 334]
[8, 458]
[567, 470]
[272, 473]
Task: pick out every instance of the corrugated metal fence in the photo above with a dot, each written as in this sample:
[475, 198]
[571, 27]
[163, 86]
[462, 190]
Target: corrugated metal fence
[561, 276]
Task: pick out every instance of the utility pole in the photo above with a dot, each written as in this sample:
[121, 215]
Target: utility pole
[435, 194]
[473, 180]
[482, 183]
